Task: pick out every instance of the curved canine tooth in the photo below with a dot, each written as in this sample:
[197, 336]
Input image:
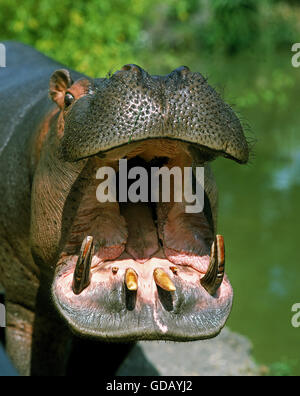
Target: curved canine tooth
[162, 279]
[215, 273]
[81, 277]
[131, 279]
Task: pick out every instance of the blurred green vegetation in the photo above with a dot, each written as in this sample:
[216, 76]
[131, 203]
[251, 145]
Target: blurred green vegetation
[97, 36]
[91, 36]
[283, 368]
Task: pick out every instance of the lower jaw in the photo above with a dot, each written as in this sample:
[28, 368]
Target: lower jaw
[107, 309]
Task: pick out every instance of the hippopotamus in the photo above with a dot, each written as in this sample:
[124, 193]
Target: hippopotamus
[88, 277]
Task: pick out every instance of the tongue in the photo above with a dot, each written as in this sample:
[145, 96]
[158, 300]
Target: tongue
[142, 240]
[143, 243]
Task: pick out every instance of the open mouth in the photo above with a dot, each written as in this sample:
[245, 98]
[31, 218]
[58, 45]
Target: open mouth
[143, 270]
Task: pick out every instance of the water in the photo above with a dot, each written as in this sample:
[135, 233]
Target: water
[259, 210]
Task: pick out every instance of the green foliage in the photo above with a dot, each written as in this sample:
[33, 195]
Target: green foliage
[92, 36]
[225, 26]
[233, 25]
[99, 35]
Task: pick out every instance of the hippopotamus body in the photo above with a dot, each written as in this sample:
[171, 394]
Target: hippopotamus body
[113, 272]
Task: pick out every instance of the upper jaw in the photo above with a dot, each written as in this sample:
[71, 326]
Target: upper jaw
[207, 154]
[132, 106]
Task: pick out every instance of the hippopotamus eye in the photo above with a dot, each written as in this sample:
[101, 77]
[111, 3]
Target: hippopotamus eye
[69, 99]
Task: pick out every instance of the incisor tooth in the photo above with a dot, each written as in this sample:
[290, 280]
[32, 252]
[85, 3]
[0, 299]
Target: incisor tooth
[162, 279]
[131, 279]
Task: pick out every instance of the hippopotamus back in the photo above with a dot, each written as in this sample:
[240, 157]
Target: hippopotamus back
[23, 88]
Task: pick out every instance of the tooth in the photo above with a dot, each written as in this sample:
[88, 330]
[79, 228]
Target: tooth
[81, 277]
[131, 279]
[215, 273]
[162, 279]
[174, 270]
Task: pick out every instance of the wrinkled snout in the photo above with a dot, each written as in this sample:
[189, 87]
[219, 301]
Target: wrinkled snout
[133, 106]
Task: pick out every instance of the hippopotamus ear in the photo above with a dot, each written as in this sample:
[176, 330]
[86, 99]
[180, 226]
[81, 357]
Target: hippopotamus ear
[60, 81]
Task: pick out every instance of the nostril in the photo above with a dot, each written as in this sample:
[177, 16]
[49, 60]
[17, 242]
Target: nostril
[132, 67]
[182, 70]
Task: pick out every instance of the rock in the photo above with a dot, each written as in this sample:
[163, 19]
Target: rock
[229, 354]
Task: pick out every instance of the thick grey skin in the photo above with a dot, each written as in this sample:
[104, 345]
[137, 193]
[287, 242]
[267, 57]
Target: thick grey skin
[24, 102]
[37, 340]
[26, 263]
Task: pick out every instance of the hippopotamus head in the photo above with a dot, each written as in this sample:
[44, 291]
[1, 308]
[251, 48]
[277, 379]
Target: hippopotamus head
[133, 270]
